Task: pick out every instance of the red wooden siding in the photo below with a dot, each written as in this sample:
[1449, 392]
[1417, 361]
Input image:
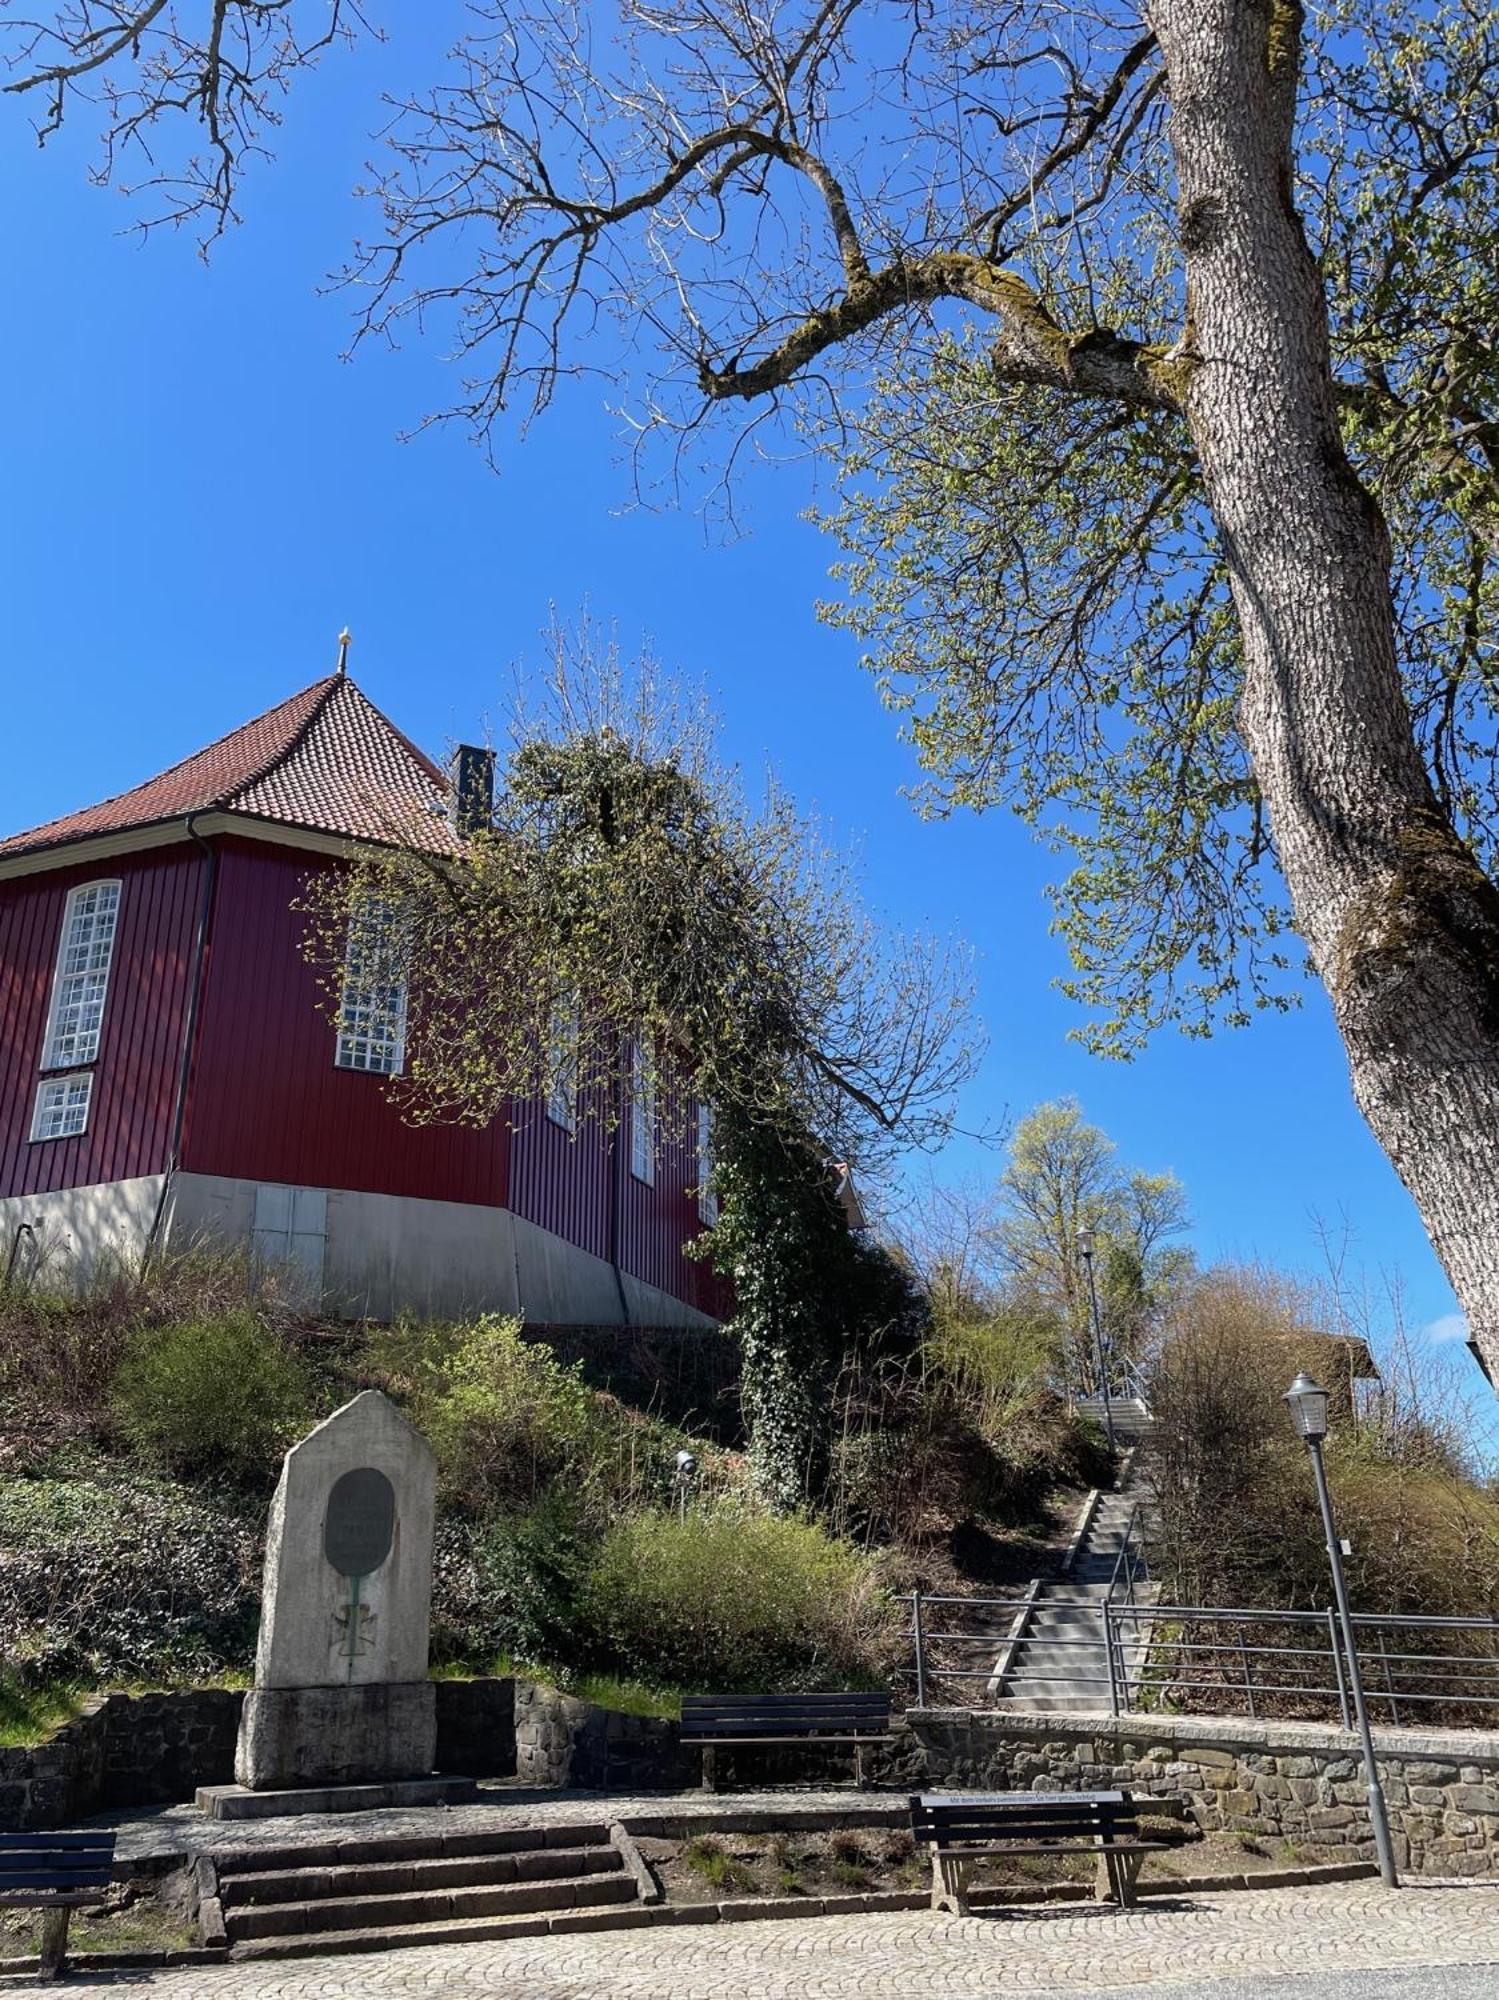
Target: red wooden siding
[140, 1045]
[267, 1103]
[567, 1184]
[561, 1182]
[658, 1221]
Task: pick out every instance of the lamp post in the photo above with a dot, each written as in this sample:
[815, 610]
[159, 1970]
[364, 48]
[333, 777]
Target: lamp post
[1085, 1248]
[1307, 1402]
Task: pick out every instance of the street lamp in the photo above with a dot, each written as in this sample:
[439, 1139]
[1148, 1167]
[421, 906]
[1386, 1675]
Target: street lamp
[1307, 1402]
[1085, 1239]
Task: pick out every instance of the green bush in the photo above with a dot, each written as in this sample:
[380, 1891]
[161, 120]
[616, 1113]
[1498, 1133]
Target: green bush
[729, 1599]
[121, 1579]
[214, 1398]
[511, 1585]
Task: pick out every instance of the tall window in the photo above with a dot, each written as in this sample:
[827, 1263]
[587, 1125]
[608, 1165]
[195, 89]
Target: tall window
[82, 977]
[372, 1012]
[707, 1197]
[643, 1110]
[75, 1014]
[562, 1062]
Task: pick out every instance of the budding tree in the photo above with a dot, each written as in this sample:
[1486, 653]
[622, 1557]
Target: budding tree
[1185, 500]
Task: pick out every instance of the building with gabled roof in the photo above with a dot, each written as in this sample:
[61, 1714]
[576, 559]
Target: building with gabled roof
[169, 1076]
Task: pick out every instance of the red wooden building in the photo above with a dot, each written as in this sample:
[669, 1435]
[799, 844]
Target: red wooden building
[167, 1074]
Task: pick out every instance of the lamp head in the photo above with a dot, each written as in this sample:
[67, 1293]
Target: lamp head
[1307, 1401]
[686, 1465]
[1085, 1238]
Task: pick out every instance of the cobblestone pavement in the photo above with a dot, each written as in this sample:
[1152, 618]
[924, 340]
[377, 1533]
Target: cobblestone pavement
[1066, 1948]
[184, 1830]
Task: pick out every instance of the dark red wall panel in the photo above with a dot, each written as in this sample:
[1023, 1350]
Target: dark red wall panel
[266, 1102]
[140, 1048]
[562, 1182]
[568, 1185]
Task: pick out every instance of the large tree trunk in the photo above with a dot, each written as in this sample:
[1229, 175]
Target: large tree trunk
[1402, 924]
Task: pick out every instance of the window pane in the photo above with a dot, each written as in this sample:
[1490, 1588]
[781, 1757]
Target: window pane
[62, 1106]
[82, 980]
[642, 1112]
[372, 1014]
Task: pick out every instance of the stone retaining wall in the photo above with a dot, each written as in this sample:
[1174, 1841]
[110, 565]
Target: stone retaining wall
[1294, 1781]
[157, 1749]
[560, 1740]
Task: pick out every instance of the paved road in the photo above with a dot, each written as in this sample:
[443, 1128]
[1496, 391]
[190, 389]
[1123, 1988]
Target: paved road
[1241, 1946]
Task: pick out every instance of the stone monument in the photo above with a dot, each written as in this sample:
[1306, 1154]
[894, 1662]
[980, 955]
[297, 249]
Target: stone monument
[341, 1696]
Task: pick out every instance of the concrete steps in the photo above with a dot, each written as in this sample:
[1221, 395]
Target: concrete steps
[289, 1901]
[1061, 1664]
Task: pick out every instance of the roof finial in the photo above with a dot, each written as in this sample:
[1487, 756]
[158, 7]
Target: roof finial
[344, 638]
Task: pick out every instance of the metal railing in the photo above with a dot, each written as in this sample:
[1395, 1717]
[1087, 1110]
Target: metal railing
[1139, 1657]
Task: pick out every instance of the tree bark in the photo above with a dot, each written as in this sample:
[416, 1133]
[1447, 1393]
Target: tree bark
[1400, 921]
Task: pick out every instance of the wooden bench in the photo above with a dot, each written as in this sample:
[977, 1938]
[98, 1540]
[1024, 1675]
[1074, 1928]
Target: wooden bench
[963, 1827]
[54, 1872]
[711, 1722]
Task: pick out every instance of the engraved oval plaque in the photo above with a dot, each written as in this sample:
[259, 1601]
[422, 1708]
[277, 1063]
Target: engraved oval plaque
[360, 1522]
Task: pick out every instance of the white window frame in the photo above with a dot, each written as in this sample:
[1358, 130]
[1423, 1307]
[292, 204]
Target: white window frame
[642, 1110]
[371, 1038]
[707, 1194]
[70, 1093]
[91, 974]
[564, 1031]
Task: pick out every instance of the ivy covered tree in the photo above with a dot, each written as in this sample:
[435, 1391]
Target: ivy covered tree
[630, 924]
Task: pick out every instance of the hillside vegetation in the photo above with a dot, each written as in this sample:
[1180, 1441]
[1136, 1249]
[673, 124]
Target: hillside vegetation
[144, 1424]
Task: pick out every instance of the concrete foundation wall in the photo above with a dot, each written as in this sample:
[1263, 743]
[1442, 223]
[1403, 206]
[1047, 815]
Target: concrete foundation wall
[76, 1230]
[1295, 1781]
[388, 1254]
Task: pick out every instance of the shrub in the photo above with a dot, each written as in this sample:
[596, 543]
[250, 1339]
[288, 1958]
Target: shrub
[124, 1580]
[505, 1418]
[511, 1585]
[730, 1599]
[213, 1398]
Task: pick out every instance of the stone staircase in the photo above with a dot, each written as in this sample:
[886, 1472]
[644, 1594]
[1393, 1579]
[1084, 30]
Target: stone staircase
[1059, 1662]
[374, 1893]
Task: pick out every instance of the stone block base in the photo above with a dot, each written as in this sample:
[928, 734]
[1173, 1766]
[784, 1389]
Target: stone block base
[293, 1738]
[234, 1802]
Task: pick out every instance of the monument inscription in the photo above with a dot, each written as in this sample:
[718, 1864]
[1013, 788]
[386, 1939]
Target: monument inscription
[360, 1522]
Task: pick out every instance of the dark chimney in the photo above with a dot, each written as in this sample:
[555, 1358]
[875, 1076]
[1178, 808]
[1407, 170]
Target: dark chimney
[471, 805]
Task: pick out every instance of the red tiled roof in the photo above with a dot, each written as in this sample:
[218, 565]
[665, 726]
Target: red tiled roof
[325, 759]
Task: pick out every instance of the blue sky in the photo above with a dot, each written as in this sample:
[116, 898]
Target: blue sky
[199, 493]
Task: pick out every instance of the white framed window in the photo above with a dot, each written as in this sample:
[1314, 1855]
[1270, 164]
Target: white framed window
[643, 1110]
[81, 980]
[562, 1063]
[707, 1197]
[372, 1011]
[62, 1106]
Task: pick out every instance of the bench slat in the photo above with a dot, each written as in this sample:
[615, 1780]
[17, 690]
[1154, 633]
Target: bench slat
[788, 1701]
[1020, 1799]
[21, 1843]
[54, 1878]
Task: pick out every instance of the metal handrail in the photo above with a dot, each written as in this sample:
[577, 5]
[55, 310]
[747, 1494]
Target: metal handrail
[1305, 1666]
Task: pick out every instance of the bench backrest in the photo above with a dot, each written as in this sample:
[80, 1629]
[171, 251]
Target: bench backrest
[850, 1714]
[56, 1864]
[952, 1818]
